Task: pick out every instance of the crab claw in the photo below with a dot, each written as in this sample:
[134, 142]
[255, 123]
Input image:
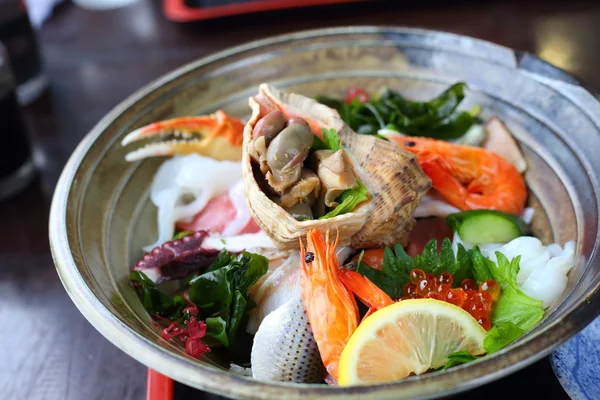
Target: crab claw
[217, 135]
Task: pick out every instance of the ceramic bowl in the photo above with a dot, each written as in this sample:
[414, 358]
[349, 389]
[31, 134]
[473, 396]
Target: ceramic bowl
[101, 215]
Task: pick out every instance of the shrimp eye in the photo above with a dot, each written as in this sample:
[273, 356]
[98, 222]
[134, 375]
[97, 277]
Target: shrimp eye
[410, 144]
[309, 257]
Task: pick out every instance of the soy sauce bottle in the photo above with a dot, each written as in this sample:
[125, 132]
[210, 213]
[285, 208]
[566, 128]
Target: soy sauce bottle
[16, 165]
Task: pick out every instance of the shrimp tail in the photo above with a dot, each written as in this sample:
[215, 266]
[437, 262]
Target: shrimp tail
[369, 293]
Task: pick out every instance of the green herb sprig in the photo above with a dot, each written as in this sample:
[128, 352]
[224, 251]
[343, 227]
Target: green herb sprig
[388, 109]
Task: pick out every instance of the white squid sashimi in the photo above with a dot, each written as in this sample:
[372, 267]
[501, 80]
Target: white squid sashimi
[184, 185]
[547, 282]
[543, 269]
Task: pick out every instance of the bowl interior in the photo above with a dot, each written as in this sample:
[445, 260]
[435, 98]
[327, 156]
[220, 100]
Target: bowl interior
[103, 215]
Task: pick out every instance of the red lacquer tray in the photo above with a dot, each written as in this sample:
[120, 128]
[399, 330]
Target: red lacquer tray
[193, 10]
[159, 387]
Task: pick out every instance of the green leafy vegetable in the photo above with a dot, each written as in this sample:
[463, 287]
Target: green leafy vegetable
[516, 307]
[212, 292]
[331, 138]
[513, 306]
[350, 198]
[253, 266]
[429, 261]
[396, 266]
[222, 260]
[435, 118]
[238, 310]
[387, 283]
[348, 201]
[460, 357]
[502, 334]
[318, 144]
[153, 300]
[216, 327]
[394, 272]
[330, 141]
[480, 266]
[464, 266]
[221, 292]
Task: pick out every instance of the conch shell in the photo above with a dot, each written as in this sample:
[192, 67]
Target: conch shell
[392, 175]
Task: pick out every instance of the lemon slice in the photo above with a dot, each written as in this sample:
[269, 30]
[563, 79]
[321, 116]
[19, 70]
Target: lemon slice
[411, 336]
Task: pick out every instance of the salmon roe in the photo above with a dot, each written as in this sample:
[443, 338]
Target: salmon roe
[476, 300]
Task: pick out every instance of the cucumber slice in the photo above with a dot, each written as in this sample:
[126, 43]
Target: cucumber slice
[487, 226]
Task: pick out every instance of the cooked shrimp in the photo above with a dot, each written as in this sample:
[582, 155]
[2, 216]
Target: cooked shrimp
[327, 293]
[469, 177]
[331, 308]
[364, 289]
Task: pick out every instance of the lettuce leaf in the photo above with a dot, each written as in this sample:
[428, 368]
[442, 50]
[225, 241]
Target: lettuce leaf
[348, 201]
[501, 335]
[460, 357]
[514, 306]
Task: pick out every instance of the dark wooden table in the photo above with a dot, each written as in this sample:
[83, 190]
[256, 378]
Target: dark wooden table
[95, 59]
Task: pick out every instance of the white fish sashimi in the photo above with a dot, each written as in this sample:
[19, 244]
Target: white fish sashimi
[434, 205]
[280, 284]
[500, 141]
[183, 185]
[284, 348]
[543, 269]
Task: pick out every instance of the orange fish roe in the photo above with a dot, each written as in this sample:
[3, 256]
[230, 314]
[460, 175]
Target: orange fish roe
[476, 300]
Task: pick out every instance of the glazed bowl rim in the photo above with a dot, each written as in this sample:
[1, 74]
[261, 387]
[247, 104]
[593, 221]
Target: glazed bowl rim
[522, 353]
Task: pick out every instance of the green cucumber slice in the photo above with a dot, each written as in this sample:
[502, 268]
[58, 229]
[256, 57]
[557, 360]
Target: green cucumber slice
[487, 226]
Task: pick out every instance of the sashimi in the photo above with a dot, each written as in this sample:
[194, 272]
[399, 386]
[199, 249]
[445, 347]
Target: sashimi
[426, 229]
[216, 216]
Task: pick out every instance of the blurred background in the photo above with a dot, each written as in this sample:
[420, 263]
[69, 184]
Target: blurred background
[65, 64]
